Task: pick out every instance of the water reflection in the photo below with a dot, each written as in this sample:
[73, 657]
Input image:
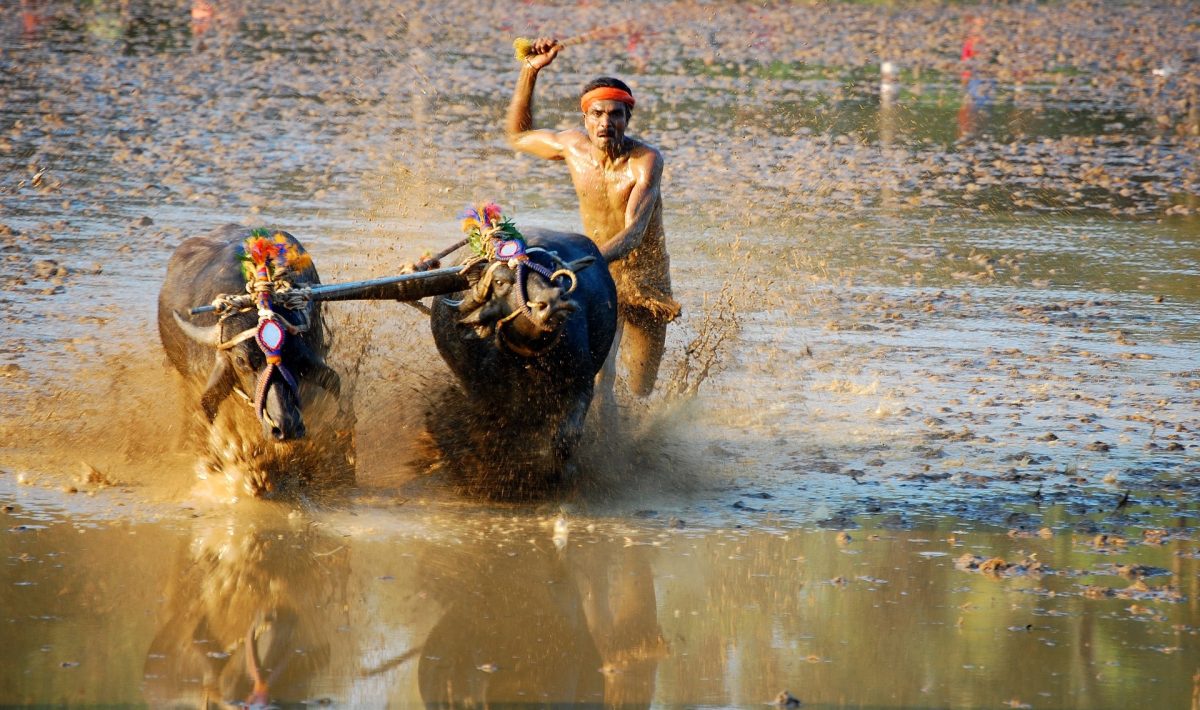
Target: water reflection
[32, 17]
[251, 612]
[886, 125]
[889, 84]
[214, 23]
[622, 615]
[263, 610]
[541, 624]
[386, 607]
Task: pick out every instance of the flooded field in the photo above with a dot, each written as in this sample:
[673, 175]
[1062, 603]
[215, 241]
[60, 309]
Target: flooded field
[945, 456]
[399, 605]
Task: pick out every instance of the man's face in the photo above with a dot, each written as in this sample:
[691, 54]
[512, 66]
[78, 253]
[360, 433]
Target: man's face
[605, 123]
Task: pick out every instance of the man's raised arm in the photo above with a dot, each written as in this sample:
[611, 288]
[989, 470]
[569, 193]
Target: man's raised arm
[518, 124]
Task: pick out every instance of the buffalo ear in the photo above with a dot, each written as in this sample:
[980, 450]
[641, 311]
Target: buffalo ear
[328, 379]
[581, 263]
[482, 322]
[313, 364]
[476, 272]
[219, 385]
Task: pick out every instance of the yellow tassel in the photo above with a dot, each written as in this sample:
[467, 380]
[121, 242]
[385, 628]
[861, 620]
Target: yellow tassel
[523, 47]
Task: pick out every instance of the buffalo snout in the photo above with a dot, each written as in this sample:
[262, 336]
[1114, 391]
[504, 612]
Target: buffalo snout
[552, 309]
[284, 433]
[281, 418]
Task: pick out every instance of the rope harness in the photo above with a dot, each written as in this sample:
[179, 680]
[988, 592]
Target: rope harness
[269, 268]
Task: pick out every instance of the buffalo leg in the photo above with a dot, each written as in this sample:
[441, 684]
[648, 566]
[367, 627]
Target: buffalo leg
[571, 429]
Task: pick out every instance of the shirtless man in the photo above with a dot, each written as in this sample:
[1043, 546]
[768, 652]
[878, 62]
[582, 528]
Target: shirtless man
[617, 179]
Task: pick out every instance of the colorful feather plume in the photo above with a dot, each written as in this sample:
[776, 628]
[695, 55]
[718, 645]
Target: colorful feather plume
[486, 224]
[272, 254]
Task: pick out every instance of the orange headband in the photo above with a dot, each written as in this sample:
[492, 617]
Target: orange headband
[605, 93]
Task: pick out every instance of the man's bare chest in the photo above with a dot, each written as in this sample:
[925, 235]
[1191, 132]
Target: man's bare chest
[599, 185]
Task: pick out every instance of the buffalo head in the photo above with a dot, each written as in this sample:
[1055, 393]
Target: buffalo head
[265, 364]
[524, 305]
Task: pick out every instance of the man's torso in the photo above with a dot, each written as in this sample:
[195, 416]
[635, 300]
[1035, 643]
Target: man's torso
[643, 276]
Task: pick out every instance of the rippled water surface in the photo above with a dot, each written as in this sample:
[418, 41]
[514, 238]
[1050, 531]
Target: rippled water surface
[946, 457]
[383, 606]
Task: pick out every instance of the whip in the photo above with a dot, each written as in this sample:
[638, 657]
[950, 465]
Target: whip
[523, 46]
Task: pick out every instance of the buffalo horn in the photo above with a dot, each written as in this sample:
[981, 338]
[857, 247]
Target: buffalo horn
[568, 274]
[210, 335]
[466, 304]
[581, 263]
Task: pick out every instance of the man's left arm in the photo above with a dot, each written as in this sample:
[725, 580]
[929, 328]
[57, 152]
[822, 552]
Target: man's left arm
[640, 208]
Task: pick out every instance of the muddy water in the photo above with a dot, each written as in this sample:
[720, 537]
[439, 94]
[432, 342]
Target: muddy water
[963, 336]
[384, 606]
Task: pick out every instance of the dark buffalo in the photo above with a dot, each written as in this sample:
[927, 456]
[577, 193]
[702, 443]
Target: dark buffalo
[217, 359]
[528, 372]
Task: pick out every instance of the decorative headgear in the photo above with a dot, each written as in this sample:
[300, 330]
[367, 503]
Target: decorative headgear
[265, 258]
[486, 228]
[605, 93]
[272, 254]
[495, 238]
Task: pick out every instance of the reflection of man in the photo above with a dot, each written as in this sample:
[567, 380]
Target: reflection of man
[617, 179]
[570, 627]
[619, 604]
[202, 16]
[978, 87]
[31, 16]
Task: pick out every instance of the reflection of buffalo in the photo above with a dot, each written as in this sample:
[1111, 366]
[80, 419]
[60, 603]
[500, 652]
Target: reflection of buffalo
[541, 628]
[219, 357]
[526, 355]
[250, 616]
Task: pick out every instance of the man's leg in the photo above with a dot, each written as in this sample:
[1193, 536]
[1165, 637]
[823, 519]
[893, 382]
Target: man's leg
[642, 346]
